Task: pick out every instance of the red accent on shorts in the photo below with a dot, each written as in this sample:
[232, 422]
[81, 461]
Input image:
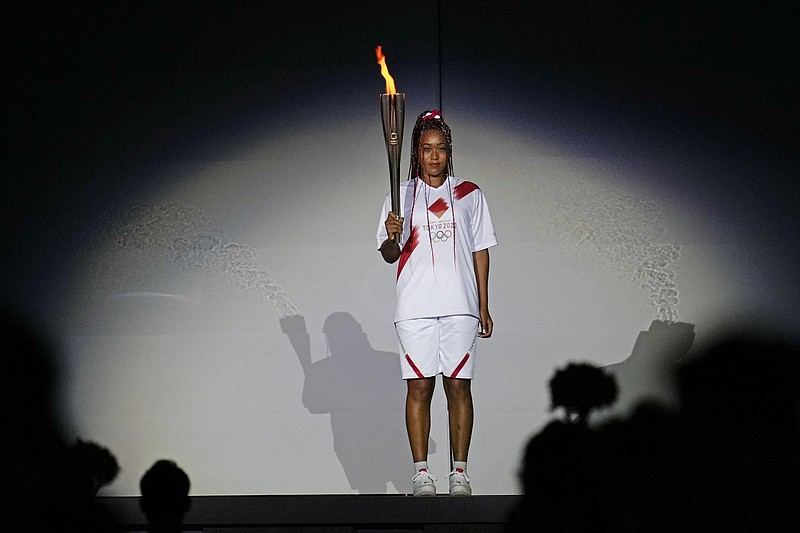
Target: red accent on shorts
[463, 189]
[414, 367]
[408, 249]
[460, 366]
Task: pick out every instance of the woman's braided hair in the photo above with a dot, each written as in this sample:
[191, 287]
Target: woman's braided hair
[427, 121]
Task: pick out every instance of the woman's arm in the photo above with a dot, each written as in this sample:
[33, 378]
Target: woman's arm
[481, 261]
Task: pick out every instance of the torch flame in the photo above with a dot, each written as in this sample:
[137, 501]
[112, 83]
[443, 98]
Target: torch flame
[390, 89]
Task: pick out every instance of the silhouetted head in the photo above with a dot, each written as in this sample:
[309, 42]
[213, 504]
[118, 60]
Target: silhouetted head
[165, 494]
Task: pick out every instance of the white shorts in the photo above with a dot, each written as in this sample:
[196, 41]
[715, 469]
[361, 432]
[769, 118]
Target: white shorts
[443, 345]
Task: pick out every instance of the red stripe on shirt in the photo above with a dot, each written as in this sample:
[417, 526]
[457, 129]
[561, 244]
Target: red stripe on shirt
[463, 189]
[408, 249]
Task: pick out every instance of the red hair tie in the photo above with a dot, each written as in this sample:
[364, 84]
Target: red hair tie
[435, 114]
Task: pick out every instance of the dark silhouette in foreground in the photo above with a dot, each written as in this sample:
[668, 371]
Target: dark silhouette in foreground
[44, 485]
[165, 497]
[92, 466]
[579, 388]
[727, 460]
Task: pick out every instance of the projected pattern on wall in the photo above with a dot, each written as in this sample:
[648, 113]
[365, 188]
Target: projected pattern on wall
[623, 231]
[146, 242]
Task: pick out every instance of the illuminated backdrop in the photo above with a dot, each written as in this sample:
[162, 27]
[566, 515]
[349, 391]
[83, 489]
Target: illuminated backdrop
[199, 188]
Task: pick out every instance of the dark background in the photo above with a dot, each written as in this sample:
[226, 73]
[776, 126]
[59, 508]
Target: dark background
[694, 103]
[88, 87]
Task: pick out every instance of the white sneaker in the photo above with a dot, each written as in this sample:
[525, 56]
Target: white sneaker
[459, 484]
[424, 484]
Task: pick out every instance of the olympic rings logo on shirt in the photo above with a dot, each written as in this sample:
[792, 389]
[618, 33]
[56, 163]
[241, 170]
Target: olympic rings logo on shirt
[441, 235]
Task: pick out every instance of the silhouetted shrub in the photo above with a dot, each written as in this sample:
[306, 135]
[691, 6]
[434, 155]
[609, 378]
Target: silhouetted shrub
[581, 387]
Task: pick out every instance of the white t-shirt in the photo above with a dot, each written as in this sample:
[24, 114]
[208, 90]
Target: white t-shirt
[435, 272]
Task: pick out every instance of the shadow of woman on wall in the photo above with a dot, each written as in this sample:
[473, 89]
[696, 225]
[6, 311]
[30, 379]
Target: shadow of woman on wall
[362, 391]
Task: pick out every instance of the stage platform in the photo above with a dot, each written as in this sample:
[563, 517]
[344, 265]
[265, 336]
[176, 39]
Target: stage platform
[334, 513]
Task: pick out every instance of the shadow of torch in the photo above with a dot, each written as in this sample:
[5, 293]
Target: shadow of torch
[393, 110]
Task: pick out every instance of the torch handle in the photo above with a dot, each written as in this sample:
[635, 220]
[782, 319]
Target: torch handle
[394, 179]
[393, 109]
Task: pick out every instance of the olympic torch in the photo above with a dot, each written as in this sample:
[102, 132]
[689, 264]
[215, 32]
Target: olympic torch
[393, 111]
